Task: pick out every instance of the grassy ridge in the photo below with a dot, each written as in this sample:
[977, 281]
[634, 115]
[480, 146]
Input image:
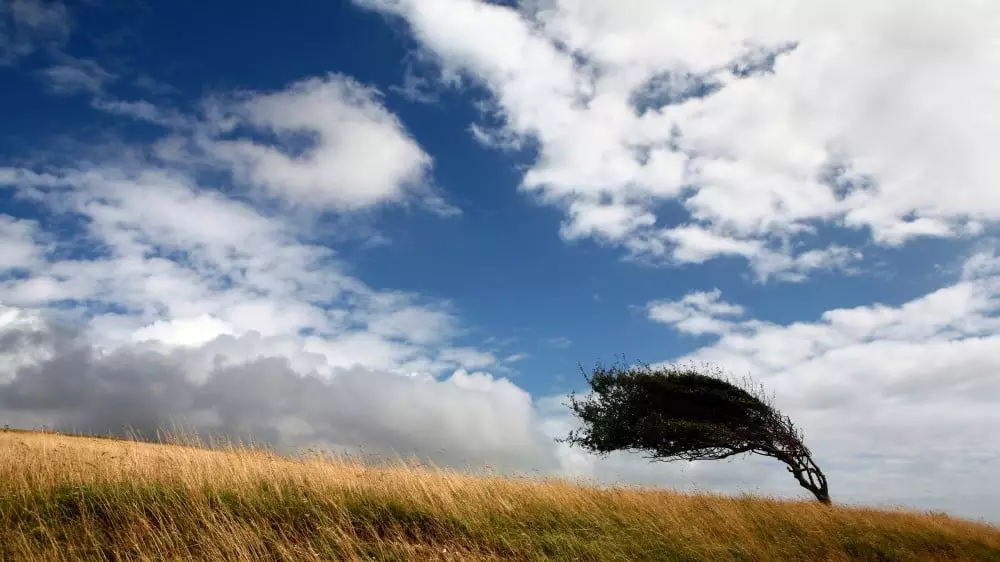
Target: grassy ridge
[78, 498]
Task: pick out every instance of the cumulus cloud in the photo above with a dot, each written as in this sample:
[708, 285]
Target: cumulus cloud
[324, 144]
[696, 313]
[157, 257]
[20, 250]
[761, 120]
[327, 142]
[135, 249]
[464, 420]
[982, 265]
[136, 295]
[896, 398]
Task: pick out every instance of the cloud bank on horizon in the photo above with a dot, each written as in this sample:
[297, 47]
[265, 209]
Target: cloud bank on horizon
[190, 273]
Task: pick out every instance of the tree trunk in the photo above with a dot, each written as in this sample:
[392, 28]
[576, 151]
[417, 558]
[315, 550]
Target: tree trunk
[809, 477]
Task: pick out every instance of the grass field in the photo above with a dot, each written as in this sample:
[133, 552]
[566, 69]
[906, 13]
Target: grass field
[82, 498]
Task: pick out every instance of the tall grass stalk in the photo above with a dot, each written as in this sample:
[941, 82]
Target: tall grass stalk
[84, 498]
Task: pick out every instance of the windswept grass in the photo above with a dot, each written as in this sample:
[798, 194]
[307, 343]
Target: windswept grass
[81, 498]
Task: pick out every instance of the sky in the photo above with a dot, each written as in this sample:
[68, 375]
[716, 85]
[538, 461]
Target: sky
[406, 226]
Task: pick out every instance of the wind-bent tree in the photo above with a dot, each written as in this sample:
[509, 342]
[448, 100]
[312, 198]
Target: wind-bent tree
[676, 413]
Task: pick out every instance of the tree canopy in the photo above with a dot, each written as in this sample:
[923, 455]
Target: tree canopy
[683, 413]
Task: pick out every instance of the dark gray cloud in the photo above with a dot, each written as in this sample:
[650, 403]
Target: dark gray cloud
[466, 420]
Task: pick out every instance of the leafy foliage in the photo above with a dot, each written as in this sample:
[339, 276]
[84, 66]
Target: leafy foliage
[682, 413]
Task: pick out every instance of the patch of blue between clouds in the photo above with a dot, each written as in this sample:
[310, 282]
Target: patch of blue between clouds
[679, 86]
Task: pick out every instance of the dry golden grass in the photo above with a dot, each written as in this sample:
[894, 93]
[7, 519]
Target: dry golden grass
[82, 498]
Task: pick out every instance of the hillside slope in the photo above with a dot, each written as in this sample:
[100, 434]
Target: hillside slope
[82, 498]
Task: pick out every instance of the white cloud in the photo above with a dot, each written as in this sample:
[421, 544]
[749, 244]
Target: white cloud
[20, 249]
[467, 357]
[761, 119]
[893, 399]
[163, 261]
[696, 244]
[418, 324]
[17, 351]
[318, 145]
[191, 331]
[182, 265]
[166, 299]
[141, 110]
[416, 88]
[611, 221]
[337, 147]
[75, 76]
[696, 313]
[982, 264]
[784, 266]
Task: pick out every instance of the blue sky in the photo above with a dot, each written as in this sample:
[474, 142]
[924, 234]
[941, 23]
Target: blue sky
[439, 209]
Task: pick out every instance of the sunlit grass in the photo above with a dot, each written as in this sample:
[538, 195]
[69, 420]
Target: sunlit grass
[84, 498]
